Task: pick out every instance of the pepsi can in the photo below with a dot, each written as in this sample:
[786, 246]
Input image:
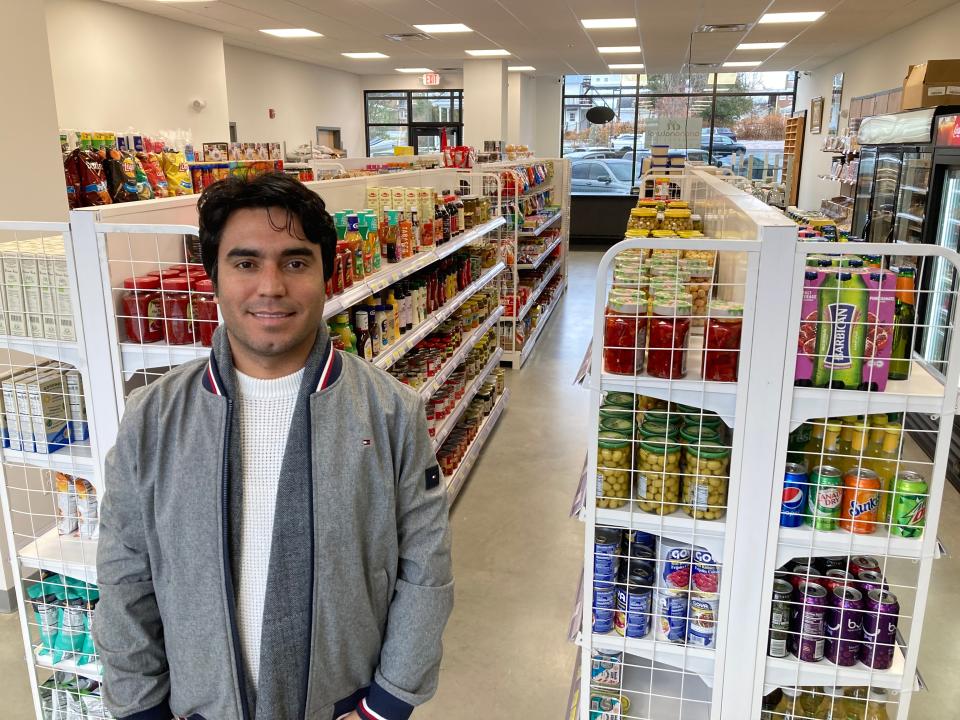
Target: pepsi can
[604, 604]
[793, 505]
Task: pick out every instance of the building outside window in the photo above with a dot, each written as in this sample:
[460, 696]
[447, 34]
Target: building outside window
[412, 118]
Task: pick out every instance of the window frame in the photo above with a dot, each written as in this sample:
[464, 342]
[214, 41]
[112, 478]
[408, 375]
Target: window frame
[455, 96]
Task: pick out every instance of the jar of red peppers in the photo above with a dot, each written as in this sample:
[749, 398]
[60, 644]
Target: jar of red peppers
[143, 309]
[177, 311]
[721, 354]
[625, 332]
[669, 336]
[204, 312]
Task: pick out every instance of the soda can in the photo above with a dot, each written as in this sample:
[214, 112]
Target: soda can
[671, 618]
[871, 580]
[702, 626]
[861, 501]
[810, 640]
[861, 563]
[793, 506]
[823, 503]
[604, 603]
[804, 573]
[780, 612]
[673, 559]
[837, 578]
[706, 572]
[606, 548]
[832, 563]
[844, 626]
[909, 505]
[606, 668]
[880, 615]
[634, 610]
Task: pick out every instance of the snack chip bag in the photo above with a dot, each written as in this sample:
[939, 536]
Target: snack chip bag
[72, 177]
[175, 167]
[158, 181]
[66, 498]
[46, 612]
[86, 499]
[144, 190]
[92, 186]
[121, 175]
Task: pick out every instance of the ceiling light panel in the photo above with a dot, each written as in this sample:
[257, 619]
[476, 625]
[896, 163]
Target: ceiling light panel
[607, 23]
[742, 63]
[292, 33]
[619, 49]
[761, 46]
[791, 17]
[444, 28]
[496, 52]
[414, 71]
[626, 66]
[365, 55]
[521, 68]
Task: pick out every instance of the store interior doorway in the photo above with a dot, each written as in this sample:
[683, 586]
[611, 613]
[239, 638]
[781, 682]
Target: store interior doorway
[426, 138]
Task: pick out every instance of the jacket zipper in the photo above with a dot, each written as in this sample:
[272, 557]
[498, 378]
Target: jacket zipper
[227, 567]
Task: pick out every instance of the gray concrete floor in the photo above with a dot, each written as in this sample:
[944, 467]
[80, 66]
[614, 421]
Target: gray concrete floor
[518, 556]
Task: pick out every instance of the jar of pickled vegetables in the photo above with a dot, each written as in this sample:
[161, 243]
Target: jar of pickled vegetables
[696, 221]
[648, 203]
[629, 277]
[622, 425]
[614, 460]
[609, 411]
[642, 218]
[625, 333]
[655, 429]
[706, 480]
[658, 476]
[721, 353]
[669, 337]
[671, 253]
[699, 282]
[707, 256]
[677, 219]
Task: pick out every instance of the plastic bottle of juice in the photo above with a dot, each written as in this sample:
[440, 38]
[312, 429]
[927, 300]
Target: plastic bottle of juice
[811, 703]
[814, 447]
[877, 705]
[833, 704]
[404, 237]
[768, 706]
[831, 446]
[904, 321]
[789, 707]
[847, 425]
[854, 703]
[354, 240]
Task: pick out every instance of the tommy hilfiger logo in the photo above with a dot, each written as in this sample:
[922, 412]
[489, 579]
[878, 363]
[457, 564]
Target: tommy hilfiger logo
[366, 442]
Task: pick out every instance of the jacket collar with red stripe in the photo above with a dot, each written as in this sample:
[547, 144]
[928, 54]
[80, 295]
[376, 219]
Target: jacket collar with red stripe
[218, 375]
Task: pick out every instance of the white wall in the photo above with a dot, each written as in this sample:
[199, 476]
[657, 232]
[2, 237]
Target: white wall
[485, 101]
[521, 109]
[399, 81]
[304, 96]
[878, 66]
[115, 69]
[549, 101]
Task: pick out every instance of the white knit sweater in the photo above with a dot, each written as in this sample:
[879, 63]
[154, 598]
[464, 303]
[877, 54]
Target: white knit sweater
[266, 410]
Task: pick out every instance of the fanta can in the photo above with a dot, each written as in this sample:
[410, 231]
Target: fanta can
[859, 510]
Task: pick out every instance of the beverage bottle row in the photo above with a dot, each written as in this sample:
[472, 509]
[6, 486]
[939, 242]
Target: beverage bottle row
[830, 703]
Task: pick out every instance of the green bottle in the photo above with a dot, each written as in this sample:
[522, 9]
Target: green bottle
[903, 324]
[842, 336]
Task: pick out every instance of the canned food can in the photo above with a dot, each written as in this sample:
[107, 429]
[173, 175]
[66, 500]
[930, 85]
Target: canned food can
[606, 668]
[793, 505]
[706, 572]
[862, 563]
[811, 623]
[671, 618]
[604, 604]
[641, 538]
[674, 560]
[833, 563]
[844, 626]
[880, 616]
[780, 614]
[634, 610]
[823, 504]
[606, 548]
[704, 612]
[804, 573]
[837, 578]
[870, 580]
[861, 501]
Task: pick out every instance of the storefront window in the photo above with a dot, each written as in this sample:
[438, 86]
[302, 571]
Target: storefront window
[412, 117]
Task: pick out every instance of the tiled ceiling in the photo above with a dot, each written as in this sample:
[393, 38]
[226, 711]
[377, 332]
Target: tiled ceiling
[547, 33]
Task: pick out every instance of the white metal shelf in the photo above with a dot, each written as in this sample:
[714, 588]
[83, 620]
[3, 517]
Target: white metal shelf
[684, 657]
[654, 693]
[444, 430]
[62, 350]
[65, 555]
[136, 356]
[437, 381]
[538, 290]
[790, 672]
[520, 357]
[400, 347]
[455, 482]
[542, 256]
[72, 459]
[535, 232]
[677, 525]
[804, 541]
[92, 670]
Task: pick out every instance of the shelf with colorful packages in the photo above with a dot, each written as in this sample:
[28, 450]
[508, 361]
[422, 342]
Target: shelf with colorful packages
[534, 245]
[148, 307]
[687, 541]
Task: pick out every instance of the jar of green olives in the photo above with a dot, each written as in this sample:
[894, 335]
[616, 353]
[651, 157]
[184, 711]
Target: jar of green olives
[658, 475]
[614, 459]
[706, 480]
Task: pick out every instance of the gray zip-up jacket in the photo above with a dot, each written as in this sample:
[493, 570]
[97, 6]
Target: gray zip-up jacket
[382, 586]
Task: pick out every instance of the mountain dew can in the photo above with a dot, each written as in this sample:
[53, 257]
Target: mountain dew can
[909, 505]
[841, 332]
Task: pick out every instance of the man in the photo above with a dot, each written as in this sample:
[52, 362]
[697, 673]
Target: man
[274, 541]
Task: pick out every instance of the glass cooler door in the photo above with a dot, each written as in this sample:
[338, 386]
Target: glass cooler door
[861, 210]
[912, 197]
[884, 196]
[944, 280]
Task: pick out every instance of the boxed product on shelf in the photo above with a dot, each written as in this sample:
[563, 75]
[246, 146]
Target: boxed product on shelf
[36, 289]
[44, 408]
[77, 506]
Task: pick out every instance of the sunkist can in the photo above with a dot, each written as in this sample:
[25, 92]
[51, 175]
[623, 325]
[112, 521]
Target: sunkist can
[825, 498]
[880, 615]
[860, 505]
[780, 614]
[793, 506]
[811, 623]
[844, 626]
[909, 505]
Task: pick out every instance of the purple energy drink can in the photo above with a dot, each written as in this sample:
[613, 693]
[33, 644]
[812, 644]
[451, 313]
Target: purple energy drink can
[880, 614]
[811, 623]
[870, 580]
[844, 626]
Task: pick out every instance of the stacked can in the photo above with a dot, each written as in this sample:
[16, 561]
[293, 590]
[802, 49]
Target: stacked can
[825, 498]
[862, 563]
[606, 668]
[844, 626]
[673, 583]
[880, 614]
[606, 550]
[704, 599]
[793, 505]
[809, 632]
[780, 618]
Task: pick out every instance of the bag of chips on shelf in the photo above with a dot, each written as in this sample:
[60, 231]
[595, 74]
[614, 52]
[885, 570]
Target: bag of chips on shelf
[93, 706]
[150, 162]
[53, 701]
[92, 188]
[88, 652]
[72, 632]
[46, 611]
[120, 169]
[86, 495]
[144, 191]
[65, 493]
[175, 167]
[72, 177]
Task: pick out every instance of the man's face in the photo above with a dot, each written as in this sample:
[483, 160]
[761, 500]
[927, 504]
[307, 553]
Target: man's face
[270, 288]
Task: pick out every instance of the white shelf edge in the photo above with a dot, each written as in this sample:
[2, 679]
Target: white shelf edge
[436, 382]
[790, 671]
[530, 344]
[542, 226]
[537, 291]
[69, 556]
[685, 657]
[542, 257]
[804, 540]
[136, 357]
[451, 422]
[67, 351]
[70, 459]
[92, 670]
[456, 481]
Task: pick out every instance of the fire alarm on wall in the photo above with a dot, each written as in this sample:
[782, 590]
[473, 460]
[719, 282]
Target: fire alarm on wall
[272, 113]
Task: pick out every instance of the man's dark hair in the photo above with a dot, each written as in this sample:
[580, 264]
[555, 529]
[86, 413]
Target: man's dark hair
[272, 190]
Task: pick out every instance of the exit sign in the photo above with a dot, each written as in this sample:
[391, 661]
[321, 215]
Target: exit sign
[431, 78]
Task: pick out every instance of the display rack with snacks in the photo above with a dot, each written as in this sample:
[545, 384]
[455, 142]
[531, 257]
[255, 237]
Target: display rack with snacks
[431, 300]
[534, 246]
[835, 556]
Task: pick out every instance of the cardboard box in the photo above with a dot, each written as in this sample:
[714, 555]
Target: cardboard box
[48, 412]
[935, 82]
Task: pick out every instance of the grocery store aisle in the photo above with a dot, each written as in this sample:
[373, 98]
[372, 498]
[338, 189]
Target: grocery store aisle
[517, 554]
